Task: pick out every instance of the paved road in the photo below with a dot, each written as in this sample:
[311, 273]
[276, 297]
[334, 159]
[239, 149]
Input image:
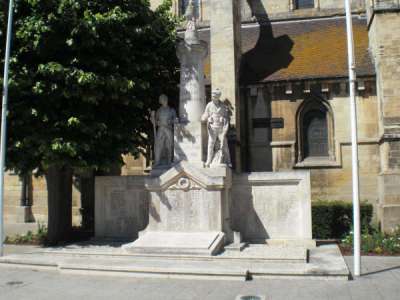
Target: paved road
[381, 280]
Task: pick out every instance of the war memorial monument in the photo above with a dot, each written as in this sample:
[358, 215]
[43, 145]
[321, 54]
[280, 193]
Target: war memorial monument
[194, 206]
[194, 216]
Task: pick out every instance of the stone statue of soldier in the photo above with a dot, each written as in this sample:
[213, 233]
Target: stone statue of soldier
[217, 116]
[163, 121]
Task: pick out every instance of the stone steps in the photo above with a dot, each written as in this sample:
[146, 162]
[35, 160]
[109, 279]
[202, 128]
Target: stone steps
[325, 262]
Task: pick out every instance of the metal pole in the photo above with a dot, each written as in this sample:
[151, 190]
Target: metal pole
[4, 121]
[354, 141]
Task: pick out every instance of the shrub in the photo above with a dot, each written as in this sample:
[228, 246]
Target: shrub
[333, 219]
[375, 241]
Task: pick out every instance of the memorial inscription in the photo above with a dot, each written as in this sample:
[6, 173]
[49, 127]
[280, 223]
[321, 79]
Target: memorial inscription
[275, 123]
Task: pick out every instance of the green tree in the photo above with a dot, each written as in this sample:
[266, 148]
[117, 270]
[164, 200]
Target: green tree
[84, 74]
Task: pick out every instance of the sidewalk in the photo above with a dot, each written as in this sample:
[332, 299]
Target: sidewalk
[380, 281]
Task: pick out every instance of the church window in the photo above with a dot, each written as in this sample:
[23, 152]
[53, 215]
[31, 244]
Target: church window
[299, 4]
[315, 131]
[315, 134]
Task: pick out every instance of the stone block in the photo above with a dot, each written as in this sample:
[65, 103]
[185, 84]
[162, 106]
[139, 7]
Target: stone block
[186, 203]
[205, 243]
[121, 205]
[189, 199]
[273, 206]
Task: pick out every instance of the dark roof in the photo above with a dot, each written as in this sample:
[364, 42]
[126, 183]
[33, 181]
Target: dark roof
[299, 50]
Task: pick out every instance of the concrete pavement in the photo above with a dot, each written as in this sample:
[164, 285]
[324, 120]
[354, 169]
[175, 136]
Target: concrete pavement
[381, 280]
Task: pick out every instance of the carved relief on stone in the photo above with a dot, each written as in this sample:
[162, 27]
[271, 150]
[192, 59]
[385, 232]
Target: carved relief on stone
[184, 183]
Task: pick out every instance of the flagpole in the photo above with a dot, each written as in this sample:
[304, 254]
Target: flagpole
[354, 141]
[4, 122]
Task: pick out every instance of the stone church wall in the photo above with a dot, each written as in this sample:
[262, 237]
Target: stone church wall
[384, 38]
[278, 149]
[271, 8]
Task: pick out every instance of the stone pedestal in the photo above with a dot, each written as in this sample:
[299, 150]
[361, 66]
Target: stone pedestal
[189, 211]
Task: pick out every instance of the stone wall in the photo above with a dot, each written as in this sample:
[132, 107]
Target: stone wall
[384, 38]
[13, 212]
[278, 149]
[121, 206]
[272, 206]
[12, 196]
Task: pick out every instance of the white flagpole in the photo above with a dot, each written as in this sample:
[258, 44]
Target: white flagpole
[4, 122]
[354, 141]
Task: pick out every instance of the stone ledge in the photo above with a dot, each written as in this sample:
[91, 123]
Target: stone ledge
[318, 163]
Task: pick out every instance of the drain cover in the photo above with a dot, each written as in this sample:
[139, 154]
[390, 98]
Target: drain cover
[250, 297]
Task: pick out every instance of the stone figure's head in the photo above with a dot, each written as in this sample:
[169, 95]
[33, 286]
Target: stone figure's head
[163, 100]
[216, 95]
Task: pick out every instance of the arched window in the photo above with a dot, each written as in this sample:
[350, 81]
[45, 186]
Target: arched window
[315, 134]
[299, 4]
[315, 129]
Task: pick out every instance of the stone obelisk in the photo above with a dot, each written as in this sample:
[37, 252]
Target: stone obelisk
[189, 133]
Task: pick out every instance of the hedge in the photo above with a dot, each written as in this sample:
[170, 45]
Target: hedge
[333, 219]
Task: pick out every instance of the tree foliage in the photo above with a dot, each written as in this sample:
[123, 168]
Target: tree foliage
[83, 76]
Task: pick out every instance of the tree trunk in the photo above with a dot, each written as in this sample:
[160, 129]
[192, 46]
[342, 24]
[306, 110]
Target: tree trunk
[59, 199]
[86, 187]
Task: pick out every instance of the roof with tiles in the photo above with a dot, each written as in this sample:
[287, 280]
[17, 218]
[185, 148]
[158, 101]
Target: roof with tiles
[299, 50]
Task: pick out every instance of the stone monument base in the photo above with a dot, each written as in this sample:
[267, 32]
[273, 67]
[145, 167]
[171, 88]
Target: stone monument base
[189, 211]
[187, 243]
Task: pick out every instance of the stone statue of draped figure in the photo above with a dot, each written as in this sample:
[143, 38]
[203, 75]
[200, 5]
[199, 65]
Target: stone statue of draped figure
[163, 121]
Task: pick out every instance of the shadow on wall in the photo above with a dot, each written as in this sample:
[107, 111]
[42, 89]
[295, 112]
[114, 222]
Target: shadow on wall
[269, 54]
[245, 218]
